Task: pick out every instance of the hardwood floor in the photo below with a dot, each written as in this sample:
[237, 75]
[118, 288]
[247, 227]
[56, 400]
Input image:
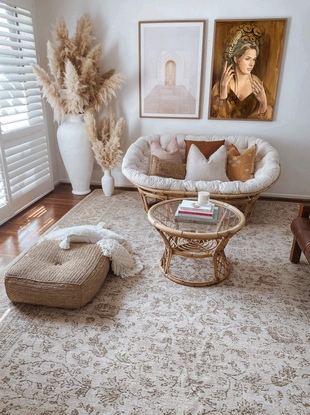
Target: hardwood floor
[20, 232]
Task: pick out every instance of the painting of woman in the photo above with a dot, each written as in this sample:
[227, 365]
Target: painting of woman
[239, 92]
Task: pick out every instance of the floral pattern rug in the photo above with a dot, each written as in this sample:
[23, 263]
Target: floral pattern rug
[148, 346]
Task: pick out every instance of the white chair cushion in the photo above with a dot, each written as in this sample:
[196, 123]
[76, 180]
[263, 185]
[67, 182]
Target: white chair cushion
[136, 162]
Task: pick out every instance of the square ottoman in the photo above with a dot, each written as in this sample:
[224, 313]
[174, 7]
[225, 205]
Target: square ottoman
[51, 276]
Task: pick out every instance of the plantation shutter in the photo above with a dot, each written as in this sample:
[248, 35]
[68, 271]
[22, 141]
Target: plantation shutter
[25, 172]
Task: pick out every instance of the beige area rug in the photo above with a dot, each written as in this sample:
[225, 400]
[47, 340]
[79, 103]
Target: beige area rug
[148, 346]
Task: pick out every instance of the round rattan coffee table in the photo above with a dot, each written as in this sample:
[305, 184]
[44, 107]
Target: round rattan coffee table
[196, 240]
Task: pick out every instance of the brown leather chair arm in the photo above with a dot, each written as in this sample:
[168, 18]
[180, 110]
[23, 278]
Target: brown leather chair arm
[304, 210]
[300, 228]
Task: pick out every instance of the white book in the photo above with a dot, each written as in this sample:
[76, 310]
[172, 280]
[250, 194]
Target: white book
[193, 205]
[196, 217]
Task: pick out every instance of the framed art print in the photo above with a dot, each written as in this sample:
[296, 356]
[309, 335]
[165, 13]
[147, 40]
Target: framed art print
[170, 68]
[245, 68]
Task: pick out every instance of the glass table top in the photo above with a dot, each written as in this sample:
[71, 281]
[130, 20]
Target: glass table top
[229, 219]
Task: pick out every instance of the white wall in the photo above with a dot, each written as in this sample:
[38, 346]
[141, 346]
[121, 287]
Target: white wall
[115, 25]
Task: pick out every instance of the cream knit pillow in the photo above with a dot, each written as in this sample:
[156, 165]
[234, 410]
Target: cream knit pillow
[200, 168]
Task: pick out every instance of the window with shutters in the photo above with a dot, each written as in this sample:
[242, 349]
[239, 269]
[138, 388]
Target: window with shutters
[25, 172]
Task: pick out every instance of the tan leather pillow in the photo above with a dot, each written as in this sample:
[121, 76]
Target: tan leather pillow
[166, 168]
[240, 166]
[206, 147]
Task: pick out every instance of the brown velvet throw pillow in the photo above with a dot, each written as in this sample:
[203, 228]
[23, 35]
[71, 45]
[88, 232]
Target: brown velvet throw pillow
[206, 147]
[240, 166]
[166, 168]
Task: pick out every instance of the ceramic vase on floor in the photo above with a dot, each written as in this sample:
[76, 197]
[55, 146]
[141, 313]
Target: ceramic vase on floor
[107, 183]
[76, 152]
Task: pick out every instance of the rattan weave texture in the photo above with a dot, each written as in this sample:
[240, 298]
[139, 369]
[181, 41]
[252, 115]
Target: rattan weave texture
[48, 275]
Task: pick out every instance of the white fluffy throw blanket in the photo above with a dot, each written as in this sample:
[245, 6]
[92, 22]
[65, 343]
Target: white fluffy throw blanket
[124, 263]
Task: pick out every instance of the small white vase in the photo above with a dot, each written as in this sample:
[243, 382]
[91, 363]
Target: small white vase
[76, 152]
[107, 183]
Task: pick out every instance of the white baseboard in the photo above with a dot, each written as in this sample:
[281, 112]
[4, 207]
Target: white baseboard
[121, 181]
[286, 196]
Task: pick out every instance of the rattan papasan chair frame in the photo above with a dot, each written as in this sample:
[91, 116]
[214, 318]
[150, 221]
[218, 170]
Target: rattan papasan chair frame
[243, 195]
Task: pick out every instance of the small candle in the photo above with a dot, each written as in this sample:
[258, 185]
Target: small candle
[203, 198]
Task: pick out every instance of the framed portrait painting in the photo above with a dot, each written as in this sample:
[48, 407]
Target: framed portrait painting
[170, 68]
[245, 68]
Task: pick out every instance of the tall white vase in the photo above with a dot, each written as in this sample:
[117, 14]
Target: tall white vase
[107, 183]
[76, 152]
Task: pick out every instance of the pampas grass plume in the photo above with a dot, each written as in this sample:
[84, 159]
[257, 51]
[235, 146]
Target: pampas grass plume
[105, 140]
[78, 86]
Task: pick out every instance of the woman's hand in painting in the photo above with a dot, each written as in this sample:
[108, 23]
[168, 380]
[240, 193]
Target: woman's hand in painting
[260, 94]
[227, 74]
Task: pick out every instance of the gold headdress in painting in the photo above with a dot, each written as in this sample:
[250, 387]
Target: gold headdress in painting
[250, 32]
[235, 40]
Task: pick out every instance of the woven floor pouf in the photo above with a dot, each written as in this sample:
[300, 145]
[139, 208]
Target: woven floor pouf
[51, 276]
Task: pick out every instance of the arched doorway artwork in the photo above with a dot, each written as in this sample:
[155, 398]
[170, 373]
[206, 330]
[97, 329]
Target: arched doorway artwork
[170, 73]
[170, 68]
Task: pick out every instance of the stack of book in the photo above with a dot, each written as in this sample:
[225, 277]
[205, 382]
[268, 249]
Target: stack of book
[190, 210]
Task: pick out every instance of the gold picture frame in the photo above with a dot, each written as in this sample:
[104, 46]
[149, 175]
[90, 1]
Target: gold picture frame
[246, 67]
[170, 68]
